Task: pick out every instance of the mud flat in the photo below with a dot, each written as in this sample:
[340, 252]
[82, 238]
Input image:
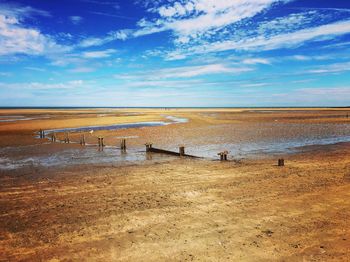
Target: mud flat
[178, 209]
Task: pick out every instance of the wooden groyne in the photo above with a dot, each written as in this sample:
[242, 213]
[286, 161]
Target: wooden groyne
[151, 149]
[149, 146]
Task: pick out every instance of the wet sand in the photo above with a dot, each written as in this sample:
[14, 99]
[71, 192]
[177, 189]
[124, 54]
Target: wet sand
[172, 209]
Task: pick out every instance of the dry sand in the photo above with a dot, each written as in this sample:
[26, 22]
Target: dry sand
[181, 209]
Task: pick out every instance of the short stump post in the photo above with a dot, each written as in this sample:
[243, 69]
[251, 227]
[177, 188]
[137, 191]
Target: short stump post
[82, 140]
[66, 138]
[53, 137]
[281, 162]
[123, 144]
[182, 150]
[148, 147]
[100, 142]
[223, 155]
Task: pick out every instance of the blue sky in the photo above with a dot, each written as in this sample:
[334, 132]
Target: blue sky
[175, 53]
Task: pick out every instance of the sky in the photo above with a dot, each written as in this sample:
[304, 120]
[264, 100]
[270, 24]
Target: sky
[183, 53]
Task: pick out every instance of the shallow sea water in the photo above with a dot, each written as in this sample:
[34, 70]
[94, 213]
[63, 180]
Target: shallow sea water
[242, 141]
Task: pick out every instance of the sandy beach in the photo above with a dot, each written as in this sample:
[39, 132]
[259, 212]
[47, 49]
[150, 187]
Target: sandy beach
[56, 205]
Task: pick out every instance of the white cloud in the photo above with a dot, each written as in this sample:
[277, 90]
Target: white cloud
[67, 59]
[21, 12]
[99, 54]
[76, 20]
[331, 68]
[254, 85]
[190, 19]
[192, 71]
[262, 42]
[44, 86]
[340, 92]
[82, 70]
[5, 74]
[94, 41]
[162, 83]
[15, 38]
[184, 72]
[35, 69]
[253, 61]
[290, 23]
[123, 34]
[204, 26]
[195, 17]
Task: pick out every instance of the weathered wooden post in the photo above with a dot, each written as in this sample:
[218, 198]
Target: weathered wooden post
[41, 133]
[182, 150]
[82, 140]
[66, 138]
[53, 137]
[148, 147]
[223, 155]
[100, 142]
[281, 162]
[123, 144]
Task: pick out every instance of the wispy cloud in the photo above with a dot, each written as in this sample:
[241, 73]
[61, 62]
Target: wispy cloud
[192, 71]
[111, 15]
[254, 85]
[38, 69]
[331, 68]
[76, 20]
[21, 12]
[325, 91]
[99, 54]
[254, 61]
[203, 26]
[5, 74]
[186, 72]
[262, 42]
[82, 70]
[44, 86]
[193, 19]
[190, 19]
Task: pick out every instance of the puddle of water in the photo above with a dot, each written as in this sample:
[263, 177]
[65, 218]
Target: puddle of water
[81, 156]
[174, 120]
[108, 127]
[253, 149]
[15, 118]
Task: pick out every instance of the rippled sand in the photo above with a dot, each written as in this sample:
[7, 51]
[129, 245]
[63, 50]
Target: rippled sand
[68, 202]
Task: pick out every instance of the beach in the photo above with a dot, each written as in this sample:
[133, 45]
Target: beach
[64, 202]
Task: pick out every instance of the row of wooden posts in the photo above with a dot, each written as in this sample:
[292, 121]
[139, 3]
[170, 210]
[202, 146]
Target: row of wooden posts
[149, 147]
[82, 140]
